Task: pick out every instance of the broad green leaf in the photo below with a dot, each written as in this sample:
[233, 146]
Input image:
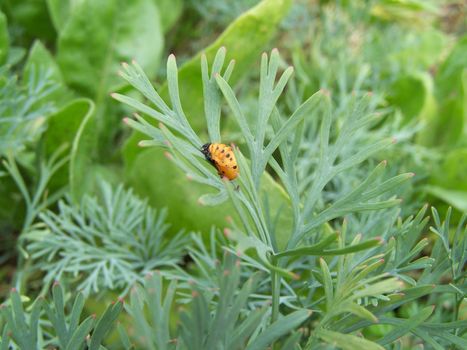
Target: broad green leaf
[278, 329]
[421, 49]
[99, 35]
[412, 94]
[447, 126]
[160, 181]
[456, 198]
[4, 39]
[347, 341]
[60, 10]
[449, 76]
[33, 19]
[96, 38]
[452, 172]
[40, 57]
[170, 11]
[83, 152]
[64, 124]
[244, 40]
[41, 61]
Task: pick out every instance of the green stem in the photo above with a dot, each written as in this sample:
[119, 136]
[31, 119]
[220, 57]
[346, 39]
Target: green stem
[275, 289]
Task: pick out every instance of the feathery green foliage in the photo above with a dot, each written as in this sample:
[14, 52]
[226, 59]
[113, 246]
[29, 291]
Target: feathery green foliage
[22, 115]
[108, 242]
[54, 324]
[323, 241]
[230, 324]
[362, 275]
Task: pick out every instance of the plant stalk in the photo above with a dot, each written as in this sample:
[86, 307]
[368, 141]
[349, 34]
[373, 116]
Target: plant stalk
[275, 291]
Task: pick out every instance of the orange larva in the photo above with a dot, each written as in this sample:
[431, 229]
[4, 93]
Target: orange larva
[223, 159]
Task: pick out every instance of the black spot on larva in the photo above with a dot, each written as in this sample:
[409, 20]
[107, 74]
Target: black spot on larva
[235, 167]
[228, 155]
[217, 148]
[223, 151]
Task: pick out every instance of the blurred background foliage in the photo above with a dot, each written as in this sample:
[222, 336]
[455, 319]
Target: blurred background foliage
[63, 144]
[411, 54]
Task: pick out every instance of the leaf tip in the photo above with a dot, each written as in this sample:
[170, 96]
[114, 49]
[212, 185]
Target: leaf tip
[384, 163]
[168, 155]
[411, 174]
[229, 219]
[227, 232]
[126, 120]
[394, 140]
[325, 92]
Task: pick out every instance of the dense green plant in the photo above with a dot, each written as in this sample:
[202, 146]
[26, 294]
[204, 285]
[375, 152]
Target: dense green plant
[320, 243]
[22, 117]
[277, 245]
[108, 242]
[54, 323]
[232, 324]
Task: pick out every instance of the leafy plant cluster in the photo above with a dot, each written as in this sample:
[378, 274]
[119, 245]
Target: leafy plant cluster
[325, 239]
